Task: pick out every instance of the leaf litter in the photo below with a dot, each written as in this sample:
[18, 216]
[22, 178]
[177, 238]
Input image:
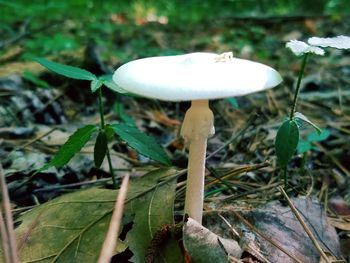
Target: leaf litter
[321, 172]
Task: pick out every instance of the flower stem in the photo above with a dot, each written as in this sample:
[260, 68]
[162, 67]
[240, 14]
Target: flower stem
[102, 121]
[285, 177]
[100, 106]
[296, 94]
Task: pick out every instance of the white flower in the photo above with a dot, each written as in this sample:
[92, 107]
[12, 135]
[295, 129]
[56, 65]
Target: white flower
[340, 42]
[299, 48]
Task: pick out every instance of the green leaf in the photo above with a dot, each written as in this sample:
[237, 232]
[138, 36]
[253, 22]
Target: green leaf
[109, 83]
[109, 132]
[150, 213]
[119, 110]
[233, 102]
[73, 145]
[286, 141]
[95, 85]
[303, 146]
[100, 149]
[318, 137]
[27, 75]
[141, 142]
[67, 71]
[302, 117]
[72, 228]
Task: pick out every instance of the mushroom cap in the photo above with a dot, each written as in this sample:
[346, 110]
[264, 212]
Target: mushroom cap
[195, 76]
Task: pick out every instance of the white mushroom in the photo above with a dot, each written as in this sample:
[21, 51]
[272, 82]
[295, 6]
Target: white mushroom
[197, 77]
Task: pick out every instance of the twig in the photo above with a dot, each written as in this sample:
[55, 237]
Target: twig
[236, 234]
[306, 228]
[272, 242]
[231, 140]
[65, 186]
[113, 230]
[4, 238]
[238, 171]
[8, 219]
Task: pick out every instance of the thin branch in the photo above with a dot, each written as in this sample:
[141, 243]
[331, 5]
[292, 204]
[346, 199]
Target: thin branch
[111, 238]
[306, 228]
[8, 219]
[272, 242]
[4, 238]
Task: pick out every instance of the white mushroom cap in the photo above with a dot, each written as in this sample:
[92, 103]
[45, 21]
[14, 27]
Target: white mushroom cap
[195, 76]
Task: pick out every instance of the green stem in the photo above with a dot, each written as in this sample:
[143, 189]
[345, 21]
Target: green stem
[102, 119]
[285, 178]
[100, 105]
[296, 94]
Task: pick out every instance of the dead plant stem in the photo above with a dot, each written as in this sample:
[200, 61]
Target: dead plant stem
[8, 222]
[306, 228]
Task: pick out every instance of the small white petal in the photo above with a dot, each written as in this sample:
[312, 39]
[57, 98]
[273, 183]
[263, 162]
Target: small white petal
[316, 50]
[299, 48]
[340, 42]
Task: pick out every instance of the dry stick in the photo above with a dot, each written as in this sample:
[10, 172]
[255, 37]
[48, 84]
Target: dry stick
[238, 171]
[4, 238]
[8, 219]
[272, 242]
[111, 238]
[307, 230]
[231, 140]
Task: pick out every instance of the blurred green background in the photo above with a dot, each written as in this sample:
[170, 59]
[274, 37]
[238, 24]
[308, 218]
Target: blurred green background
[45, 28]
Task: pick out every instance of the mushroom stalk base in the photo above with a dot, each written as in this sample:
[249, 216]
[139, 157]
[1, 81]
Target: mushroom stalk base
[196, 128]
[195, 180]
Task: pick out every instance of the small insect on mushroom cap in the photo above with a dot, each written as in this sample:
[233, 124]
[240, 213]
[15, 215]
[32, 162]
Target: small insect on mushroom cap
[195, 76]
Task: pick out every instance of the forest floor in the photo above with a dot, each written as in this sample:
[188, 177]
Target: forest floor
[39, 110]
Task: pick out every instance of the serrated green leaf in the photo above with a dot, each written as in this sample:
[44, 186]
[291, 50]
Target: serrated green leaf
[65, 70]
[318, 137]
[303, 146]
[72, 146]
[302, 117]
[141, 142]
[100, 149]
[72, 228]
[286, 141]
[95, 85]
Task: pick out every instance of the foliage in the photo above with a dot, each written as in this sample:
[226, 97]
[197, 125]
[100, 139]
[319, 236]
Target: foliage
[72, 228]
[286, 141]
[68, 25]
[288, 134]
[141, 142]
[150, 212]
[315, 136]
[74, 144]
[134, 137]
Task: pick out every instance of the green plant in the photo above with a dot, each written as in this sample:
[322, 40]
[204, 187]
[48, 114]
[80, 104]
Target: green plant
[307, 144]
[287, 138]
[129, 133]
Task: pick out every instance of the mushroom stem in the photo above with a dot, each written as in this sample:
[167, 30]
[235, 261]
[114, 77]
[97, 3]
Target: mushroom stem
[196, 128]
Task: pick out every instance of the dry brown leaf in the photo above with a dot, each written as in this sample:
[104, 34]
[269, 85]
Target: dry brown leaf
[340, 224]
[164, 119]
